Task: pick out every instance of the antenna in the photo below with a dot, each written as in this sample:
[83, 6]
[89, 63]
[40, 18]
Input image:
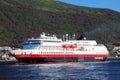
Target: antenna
[73, 36]
[66, 36]
[63, 37]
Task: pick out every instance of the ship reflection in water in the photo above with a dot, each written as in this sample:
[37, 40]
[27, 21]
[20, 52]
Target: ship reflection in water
[108, 70]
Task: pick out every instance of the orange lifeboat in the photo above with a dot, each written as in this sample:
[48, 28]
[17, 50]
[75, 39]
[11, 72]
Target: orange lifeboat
[73, 46]
[66, 46]
[80, 49]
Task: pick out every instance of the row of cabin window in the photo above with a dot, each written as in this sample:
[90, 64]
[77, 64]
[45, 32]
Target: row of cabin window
[46, 52]
[46, 47]
[55, 52]
[50, 47]
[52, 41]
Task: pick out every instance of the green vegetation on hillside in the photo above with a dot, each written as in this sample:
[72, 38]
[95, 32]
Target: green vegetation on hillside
[22, 19]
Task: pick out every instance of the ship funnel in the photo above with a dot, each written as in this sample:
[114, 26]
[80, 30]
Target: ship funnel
[82, 37]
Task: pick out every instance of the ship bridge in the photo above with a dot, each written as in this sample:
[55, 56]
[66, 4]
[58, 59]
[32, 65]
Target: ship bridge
[44, 39]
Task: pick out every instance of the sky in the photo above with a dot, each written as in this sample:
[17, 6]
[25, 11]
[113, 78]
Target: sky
[110, 4]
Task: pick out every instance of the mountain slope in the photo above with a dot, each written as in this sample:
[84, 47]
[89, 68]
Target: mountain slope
[21, 19]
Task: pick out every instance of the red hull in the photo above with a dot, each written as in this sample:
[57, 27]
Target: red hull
[59, 55]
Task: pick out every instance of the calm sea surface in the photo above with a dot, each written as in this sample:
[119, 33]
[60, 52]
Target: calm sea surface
[109, 70]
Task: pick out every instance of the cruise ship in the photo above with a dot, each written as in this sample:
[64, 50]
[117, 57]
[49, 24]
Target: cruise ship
[49, 48]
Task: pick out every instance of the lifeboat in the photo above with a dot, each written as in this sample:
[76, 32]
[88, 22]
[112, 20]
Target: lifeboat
[73, 46]
[69, 46]
[66, 46]
[80, 49]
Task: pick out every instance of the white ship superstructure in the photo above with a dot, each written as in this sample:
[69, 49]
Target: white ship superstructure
[50, 48]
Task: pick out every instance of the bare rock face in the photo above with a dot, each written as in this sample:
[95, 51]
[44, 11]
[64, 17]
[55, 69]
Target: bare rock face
[7, 57]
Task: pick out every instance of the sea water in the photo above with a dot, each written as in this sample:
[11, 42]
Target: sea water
[108, 70]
